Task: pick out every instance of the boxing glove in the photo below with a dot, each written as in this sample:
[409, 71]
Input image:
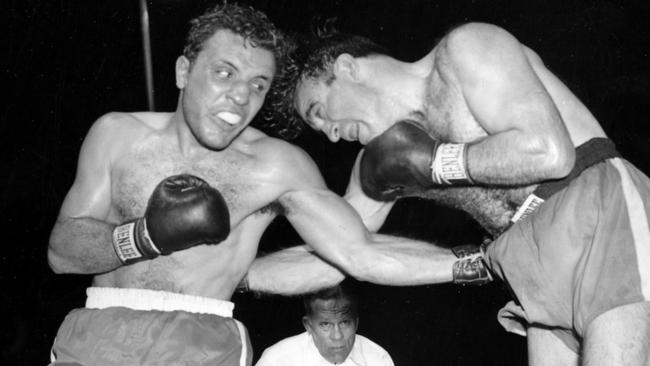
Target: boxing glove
[183, 211]
[405, 160]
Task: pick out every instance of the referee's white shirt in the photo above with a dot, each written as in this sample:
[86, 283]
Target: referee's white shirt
[300, 350]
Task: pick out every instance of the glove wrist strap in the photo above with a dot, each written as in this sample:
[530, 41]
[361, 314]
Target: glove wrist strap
[449, 165]
[132, 243]
[470, 268]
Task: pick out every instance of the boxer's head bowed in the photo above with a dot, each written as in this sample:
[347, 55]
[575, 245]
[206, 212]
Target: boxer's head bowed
[311, 60]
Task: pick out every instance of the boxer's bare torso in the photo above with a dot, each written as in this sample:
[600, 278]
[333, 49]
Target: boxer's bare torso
[448, 118]
[244, 173]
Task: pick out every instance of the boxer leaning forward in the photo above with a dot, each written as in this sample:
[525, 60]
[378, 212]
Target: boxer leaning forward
[480, 123]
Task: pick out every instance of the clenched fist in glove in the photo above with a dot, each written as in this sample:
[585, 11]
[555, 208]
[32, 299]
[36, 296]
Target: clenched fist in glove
[405, 159]
[183, 211]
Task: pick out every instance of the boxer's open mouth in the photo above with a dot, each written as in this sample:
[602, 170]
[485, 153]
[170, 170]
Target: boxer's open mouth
[229, 117]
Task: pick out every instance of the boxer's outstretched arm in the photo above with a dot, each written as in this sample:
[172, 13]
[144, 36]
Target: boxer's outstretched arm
[330, 226]
[80, 241]
[335, 231]
[291, 271]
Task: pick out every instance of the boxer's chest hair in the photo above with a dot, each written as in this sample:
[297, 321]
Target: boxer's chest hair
[446, 112]
[140, 170]
[450, 120]
[492, 208]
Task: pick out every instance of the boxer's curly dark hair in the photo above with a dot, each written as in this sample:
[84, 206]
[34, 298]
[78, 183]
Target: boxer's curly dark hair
[311, 58]
[251, 24]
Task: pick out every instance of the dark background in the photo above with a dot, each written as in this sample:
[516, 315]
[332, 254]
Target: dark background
[68, 62]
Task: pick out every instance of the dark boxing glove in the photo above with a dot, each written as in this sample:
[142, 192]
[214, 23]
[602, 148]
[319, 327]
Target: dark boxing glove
[183, 211]
[405, 159]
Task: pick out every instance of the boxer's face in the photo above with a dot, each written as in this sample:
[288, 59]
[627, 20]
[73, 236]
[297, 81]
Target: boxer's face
[224, 88]
[343, 109]
[332, 328]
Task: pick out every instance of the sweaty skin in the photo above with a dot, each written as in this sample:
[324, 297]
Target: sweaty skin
[125, 155]
[449, 116]
[243, 173]
[479, 85]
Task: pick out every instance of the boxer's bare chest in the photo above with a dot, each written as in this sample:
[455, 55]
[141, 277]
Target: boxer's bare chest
[203, 270]
[138, 171]
[447, 114]
[449, 119]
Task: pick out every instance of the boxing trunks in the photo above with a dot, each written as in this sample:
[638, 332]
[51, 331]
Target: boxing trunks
[581, 252]
[145, 327]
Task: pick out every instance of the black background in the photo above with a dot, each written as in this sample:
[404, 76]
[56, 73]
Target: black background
[68, 62]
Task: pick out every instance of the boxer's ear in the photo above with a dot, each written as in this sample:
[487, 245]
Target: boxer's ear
[346, 66]
[182, 71]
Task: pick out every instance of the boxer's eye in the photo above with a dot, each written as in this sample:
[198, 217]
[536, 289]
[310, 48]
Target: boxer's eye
[223, 73]
[259, 85]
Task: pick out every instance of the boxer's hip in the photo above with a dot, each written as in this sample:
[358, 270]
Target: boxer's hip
[584, 251]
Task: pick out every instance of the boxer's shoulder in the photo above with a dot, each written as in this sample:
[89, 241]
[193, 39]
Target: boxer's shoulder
[472, 48]
[274, 150]
[118, 128]
[288, 162]
[134, 120]
[468, 36]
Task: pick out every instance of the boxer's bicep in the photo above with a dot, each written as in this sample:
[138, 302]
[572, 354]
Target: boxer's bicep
[335, 231]
[326, 223]
[315, 212]
[90, 194]
[80, 239]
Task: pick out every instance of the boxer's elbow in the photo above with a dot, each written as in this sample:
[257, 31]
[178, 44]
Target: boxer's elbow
[559, 160]
[357, 264]
[55, 261]
[386, 271]
[552, 159]
[370, 265]
[58, 262]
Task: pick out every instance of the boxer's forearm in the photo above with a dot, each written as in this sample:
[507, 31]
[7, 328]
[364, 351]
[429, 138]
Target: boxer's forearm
[291, 271]
[82, 245]
[398, 261]
[513, 158]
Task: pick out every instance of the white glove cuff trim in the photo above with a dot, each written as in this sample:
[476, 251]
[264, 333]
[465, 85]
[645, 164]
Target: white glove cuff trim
[449, 165]
[124, 242]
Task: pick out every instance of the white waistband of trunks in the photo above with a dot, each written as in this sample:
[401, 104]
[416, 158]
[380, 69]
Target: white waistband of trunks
[141, 299]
